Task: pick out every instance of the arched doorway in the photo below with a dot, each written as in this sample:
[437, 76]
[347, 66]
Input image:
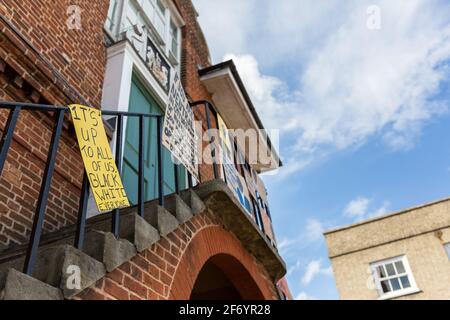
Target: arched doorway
[223, 277]
[215, 261]
[213, 284]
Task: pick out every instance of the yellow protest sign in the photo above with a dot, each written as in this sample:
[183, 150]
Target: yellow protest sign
[101, 169]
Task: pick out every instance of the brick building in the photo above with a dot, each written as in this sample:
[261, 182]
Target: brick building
[206, 241]
[403, 255]
[42, 62]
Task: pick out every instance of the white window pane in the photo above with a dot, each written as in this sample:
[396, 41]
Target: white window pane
[405, 282]
[385, 286]
[395, 284]
[141, 21]
[400, 268]
[447, 249]
[132, 14]
[148, 8]
[380, 272]
[112, 14]
[160, 25]
[161, 8]
[390, 269]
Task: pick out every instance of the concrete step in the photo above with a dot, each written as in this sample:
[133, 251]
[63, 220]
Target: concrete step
[62, 267]
[19, 286]
[61, 271]
[135, 229]
[178, 208]
[193, 201]
[104, 247]
[160, 219]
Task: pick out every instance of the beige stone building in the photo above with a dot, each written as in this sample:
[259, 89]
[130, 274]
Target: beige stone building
[403, 255]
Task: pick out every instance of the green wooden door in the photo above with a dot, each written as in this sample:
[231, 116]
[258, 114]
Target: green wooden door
[142, 102]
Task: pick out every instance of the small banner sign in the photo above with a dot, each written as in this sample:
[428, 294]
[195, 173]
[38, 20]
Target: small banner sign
[101, 169]
[234, 179]
[237, 184]
[179, 134]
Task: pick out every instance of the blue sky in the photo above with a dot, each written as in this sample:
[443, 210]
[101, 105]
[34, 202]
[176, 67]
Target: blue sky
[362, 101]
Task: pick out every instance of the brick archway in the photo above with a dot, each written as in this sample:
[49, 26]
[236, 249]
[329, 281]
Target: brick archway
[214, 244]
[170, 267]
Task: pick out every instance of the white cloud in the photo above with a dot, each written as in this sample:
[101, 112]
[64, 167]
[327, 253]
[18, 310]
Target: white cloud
[304, 296]
[286, 243]
[357, 207]
[381, 211]
[312, 234]
[314, 230]
[294, 268]
[346, 83]
[314, 269]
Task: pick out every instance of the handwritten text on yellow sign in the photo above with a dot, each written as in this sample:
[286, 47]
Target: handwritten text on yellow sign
[101, 169]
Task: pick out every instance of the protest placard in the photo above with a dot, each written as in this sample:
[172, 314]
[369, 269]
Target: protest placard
[101, 169]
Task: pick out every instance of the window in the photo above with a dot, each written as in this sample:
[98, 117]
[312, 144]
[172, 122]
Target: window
[174, 38]
[133, 17]
[155, 11]
[112, 12]
[447, 249]
[393, 277]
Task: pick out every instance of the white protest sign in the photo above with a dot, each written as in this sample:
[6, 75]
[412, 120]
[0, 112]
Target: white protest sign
[179, 134]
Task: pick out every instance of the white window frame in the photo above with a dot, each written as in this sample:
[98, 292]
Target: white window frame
[408, 272]
[114, 20]
[151, 17]
[174, 38]
[447, 249]
[162, 38]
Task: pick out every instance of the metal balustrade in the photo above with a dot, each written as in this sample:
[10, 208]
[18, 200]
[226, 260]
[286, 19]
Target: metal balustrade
[59, 112]
[15, 108]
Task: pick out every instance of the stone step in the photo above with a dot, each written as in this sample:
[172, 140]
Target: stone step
[59, 266]
[62, 267]
[58, 263]
[161, 219]
[104, 247]
[193, 201]
[156, 216]
[135, 229]
[178, 208]
[19, 286]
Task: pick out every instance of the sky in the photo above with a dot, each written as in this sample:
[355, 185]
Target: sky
[360, 92]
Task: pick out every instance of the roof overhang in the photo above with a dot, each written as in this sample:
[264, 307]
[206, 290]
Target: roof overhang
[233, 102]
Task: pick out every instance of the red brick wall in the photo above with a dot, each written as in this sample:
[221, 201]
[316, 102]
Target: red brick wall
[169, 268]
[42, 61]
[44, 25]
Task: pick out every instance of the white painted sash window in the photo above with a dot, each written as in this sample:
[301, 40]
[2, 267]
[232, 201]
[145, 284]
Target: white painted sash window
[393, 277]
[158, 16]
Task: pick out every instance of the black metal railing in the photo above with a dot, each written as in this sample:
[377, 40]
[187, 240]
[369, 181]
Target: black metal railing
[59, 112]
[15, 108]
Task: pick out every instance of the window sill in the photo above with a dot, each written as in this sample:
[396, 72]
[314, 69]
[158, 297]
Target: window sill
[400, 294]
